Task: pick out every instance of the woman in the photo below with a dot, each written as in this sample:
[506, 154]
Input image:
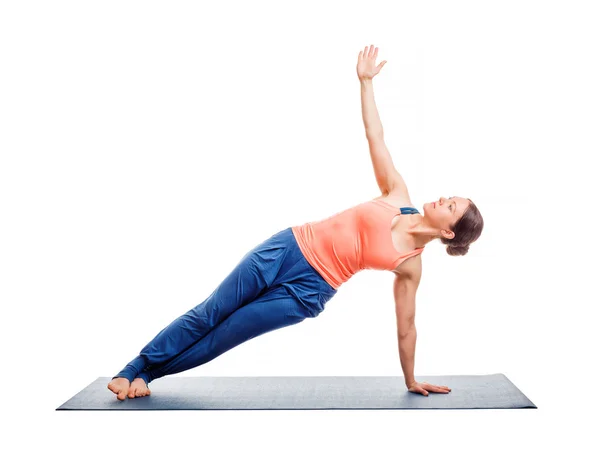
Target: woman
[291, 275]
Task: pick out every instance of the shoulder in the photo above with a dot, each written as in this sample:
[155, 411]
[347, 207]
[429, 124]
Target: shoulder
[398, 199]
[410, 269]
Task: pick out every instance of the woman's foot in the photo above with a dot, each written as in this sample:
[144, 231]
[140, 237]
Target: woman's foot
[119, 386]
[138, 388]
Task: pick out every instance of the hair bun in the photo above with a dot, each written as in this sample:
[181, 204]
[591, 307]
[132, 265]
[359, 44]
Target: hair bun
[456, 250]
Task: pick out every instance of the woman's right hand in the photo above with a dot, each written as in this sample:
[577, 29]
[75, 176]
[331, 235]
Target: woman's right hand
[424, 388]
[365, 68]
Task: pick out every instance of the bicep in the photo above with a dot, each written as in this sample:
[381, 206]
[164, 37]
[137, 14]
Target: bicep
[404, 298]
[388, 178]
[405, 293]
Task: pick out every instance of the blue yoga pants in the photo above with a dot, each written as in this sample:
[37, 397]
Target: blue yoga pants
[273, 286]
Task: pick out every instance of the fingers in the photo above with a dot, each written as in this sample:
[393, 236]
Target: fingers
[368, 52]
[434, 388]
[424, 388]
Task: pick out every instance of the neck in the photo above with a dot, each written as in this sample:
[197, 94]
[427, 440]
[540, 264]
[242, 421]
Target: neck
[422, 233]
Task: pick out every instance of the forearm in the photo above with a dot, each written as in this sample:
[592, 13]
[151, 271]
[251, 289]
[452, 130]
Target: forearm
[406, 346]
[370, 115]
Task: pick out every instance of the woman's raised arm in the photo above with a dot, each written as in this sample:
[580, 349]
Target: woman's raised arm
[366, 70]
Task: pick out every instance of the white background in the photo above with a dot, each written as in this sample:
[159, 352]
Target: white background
[147, 146]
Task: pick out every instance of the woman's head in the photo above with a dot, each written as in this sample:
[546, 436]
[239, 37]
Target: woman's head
[459, 221]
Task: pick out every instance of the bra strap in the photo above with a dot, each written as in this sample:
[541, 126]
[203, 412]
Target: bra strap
[409, 210]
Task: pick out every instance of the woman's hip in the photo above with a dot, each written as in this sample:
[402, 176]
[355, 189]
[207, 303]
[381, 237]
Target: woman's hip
[282, 262]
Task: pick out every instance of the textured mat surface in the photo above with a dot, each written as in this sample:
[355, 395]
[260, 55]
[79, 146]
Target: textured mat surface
[318, 392]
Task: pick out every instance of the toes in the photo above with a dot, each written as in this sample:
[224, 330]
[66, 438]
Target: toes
[113, 387]
[135, 390]
[119, 388]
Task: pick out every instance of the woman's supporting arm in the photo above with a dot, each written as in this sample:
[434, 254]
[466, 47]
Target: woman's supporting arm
[405, 292]
[406, 346]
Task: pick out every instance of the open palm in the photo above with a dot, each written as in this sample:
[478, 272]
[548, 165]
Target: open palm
[426, 388]
[366, 68]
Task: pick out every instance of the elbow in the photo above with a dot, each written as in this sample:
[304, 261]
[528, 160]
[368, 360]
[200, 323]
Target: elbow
[406, 328]
[375, 133]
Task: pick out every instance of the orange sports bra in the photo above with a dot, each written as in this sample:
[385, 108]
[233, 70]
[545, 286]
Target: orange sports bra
[352, 240]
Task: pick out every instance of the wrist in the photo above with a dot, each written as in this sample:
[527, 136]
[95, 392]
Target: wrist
[366, 80]
[409, 382]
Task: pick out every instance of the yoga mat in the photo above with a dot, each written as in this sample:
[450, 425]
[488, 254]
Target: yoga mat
[493, 391]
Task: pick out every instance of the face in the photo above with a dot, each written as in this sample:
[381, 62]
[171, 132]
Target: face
[445, 212]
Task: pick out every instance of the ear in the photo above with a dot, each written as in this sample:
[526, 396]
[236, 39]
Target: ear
[448, 234]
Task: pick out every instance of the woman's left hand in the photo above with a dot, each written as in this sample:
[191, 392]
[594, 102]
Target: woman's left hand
[365, 68]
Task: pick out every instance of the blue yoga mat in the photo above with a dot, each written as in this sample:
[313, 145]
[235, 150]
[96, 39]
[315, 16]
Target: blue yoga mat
[317, 392]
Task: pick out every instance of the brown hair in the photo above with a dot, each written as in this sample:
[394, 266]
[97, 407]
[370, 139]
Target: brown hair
[466, 230]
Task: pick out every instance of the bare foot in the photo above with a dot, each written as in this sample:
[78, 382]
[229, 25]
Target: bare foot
[119, 386]
[138, 388]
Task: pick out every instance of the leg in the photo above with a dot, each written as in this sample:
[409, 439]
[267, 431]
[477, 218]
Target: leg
[253, 275]
[275, 309]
